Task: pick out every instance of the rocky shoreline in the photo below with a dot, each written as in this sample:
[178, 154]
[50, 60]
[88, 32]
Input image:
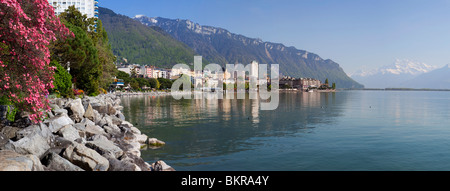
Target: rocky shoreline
[88, 134]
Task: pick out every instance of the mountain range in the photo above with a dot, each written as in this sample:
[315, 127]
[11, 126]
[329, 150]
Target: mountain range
[137, 43]
[216, 45]
[405, 74]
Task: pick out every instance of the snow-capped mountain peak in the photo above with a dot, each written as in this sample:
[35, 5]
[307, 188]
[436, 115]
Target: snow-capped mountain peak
[392, 75]
[406, 66]
[139, 16]
[400, 66]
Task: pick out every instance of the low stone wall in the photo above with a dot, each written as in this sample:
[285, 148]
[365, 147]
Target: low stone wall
[89, 134]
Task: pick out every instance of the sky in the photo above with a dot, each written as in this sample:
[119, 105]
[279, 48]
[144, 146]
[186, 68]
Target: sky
[356, 34]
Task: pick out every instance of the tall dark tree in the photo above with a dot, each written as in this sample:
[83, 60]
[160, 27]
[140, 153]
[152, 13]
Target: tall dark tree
[88, 55]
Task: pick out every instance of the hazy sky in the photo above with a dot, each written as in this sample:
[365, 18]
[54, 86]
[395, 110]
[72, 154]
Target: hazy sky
[355, 34]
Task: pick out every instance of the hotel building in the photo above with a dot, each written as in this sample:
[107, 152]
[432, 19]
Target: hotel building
[88, 7]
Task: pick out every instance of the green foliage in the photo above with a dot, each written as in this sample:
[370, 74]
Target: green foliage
[85, 67]
[165, 83]
[134, 84]
[326, 81]
[154, 83]
[333, 86]
[11, 110]
[124, 76]
[88, 54]
[141, 44]
[105, 56]
[62, 81]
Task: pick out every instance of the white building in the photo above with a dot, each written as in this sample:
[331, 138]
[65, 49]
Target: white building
[88, 7]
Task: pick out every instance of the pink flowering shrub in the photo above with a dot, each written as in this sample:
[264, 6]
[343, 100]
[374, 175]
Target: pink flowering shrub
[27, 27]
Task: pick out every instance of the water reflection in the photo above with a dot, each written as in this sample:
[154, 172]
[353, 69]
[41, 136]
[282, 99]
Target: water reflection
[198, 129]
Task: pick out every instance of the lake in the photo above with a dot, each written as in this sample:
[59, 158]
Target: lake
[341, 131]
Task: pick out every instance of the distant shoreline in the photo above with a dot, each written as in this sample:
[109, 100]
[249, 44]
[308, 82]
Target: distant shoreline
[396, 89]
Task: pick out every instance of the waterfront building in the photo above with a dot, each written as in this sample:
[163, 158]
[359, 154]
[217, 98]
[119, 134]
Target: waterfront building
[299, 83]
[147, 71]
[88, 7]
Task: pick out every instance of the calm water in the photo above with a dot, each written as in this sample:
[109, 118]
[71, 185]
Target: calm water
[348, 130]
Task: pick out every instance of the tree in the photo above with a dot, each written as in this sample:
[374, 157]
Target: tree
[333, 86]
[26, 30]
[80, 53]
[154, 83]
[165, 83]
[326, 81]
[105, 55]
[63, 80]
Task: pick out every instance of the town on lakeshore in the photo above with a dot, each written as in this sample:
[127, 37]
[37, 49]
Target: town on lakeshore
[211, 79]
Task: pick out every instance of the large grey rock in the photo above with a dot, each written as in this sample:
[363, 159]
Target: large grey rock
[103, 146]
[161, 166]
[3, 140]
[126, 164]
[86, 122]
[143, 139]
[34, 144]
[60, 111]
[69, 132]
[89, 113]
[77, 109]
[111, 110]
[86, 158]
[120, 116]
[92, 130]
[57, 122]
[12, 161]
[9, 132]
[102, 109]
[155, 142]
[40, 128]
[113, 130]
[54, 162]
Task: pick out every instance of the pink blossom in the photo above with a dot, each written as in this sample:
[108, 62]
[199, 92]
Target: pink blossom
[27, 29]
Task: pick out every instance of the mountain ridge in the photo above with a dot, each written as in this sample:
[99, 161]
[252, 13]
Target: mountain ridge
[220, 46]
[141, 44]
[393, 75]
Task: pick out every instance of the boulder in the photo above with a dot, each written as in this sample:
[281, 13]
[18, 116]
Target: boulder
[101, 109]
[77, 109]
[9, 132]
[111, 110]
[54, 162]
[41, 129]
[89, 113]
[60, 111]
[143, 139]
[161, 166]
[126, 164]
[58, 122]
[155, 142]
[144, 166]
[92, 130]
[86, 158]
[12, 161]
[69, 132]
[112, 130]
[3, 140]
[103, 146]
[120, 116]
[34, 144]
